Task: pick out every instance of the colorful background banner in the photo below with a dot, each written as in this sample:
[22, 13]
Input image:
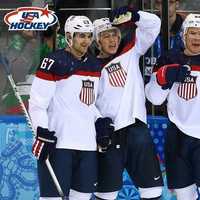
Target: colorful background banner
[18, 175]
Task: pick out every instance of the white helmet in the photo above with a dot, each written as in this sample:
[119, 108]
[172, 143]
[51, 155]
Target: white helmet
[191, 21]
[77, 24]
[101, 25]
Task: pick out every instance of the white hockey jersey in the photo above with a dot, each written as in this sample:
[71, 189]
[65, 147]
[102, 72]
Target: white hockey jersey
[62, 99]
[121, 94]
[183, 99]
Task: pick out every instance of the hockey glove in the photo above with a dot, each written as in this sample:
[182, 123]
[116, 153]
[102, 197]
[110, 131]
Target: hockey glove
[45, 143]
[168, 74]
[104, 130]
[124, 14]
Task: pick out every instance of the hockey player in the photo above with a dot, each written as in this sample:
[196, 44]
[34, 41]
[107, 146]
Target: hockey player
[63, 112]
[121, 98]
[176, 78]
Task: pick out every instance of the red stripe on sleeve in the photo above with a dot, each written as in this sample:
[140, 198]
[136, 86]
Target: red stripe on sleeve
[195, 68]
[86, 73]
[51, 77]
[45, 76]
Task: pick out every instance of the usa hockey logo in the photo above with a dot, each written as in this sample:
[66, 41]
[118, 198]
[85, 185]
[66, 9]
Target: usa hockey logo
[30, 18]
[188, 89]
[117, 75]
[87, 95]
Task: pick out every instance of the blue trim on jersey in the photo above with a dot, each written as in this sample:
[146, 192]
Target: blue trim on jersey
[65, 64]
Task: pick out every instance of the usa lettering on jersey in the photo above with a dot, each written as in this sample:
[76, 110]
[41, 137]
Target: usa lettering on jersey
[188, 89]
[87, 95]
[117, 75]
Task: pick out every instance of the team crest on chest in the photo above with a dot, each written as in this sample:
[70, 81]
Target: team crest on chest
[188, 89]
[87, 95]
[117, 75]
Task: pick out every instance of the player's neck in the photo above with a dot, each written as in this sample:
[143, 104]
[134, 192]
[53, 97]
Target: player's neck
[103, 55]
[189, 53]
[74, 53]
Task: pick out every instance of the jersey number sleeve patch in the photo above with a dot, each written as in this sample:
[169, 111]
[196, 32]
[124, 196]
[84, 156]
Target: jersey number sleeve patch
[47, 64]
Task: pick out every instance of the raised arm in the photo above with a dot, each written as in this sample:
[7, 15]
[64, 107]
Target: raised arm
[148, 28]
[148, 25]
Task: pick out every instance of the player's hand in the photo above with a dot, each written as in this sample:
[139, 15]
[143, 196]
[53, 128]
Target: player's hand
[104, 130]
[124, 14]
[167, 75]
[45, 143]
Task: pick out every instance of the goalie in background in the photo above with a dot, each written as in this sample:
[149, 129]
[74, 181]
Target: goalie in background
[122, 98]
[176, 78]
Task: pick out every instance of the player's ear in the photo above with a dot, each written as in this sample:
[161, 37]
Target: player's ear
[68, 35]
[68, 38]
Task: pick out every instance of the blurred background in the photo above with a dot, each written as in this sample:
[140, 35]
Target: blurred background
[25, 49]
